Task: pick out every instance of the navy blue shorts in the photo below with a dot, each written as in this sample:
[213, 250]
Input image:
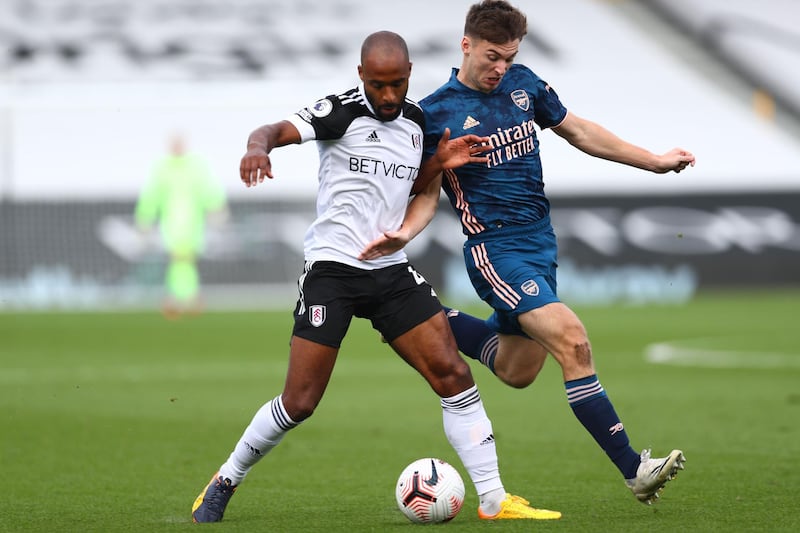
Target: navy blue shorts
[513, 269]
[395, 299]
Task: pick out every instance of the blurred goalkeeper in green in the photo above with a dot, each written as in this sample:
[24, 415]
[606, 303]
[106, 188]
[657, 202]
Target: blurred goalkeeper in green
[180, 196]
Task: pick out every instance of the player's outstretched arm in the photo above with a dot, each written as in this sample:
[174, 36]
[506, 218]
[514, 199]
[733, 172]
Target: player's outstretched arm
[595, 140]
[255, 164]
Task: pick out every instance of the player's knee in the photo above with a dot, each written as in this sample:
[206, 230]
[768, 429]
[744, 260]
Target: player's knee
[517, 378]
[577, 356]
[573, 342]
[299, 409]
[451, 377]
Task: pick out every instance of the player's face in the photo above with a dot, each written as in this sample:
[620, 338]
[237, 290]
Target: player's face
[385, 84]
[485, 63]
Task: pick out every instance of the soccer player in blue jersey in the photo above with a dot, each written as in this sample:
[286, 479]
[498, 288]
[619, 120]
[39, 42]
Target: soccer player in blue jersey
[510, 252]
[370, 149]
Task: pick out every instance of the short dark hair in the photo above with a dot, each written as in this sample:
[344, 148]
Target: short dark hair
[495, 21]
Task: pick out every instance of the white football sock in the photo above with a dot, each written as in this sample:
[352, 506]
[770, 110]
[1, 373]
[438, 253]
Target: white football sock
[490, 502]
[268, 427]
[469, 431]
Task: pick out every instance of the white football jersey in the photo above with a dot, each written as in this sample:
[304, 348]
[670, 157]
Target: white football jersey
[366, 170]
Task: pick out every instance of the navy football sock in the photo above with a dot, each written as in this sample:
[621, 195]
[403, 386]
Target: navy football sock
[474, 338]
[591, 406]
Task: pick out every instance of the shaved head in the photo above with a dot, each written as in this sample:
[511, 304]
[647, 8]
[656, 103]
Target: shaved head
[383, 44]
[385, 70]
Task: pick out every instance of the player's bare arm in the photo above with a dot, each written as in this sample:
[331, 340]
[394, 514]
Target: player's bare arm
[419, 213]
[451, 153]
[597, 141]
[255, 164]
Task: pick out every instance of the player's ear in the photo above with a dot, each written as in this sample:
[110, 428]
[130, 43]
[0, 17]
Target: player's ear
[360, 73]
[466, 44]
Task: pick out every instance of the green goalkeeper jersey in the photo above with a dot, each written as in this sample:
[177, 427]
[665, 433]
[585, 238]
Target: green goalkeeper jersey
[179, 195]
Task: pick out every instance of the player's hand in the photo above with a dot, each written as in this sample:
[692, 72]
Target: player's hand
[676, 160]
[255, 166]
[461, 150]
[388, 243]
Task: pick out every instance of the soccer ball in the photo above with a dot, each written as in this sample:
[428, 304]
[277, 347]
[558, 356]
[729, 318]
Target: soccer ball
[429, 490]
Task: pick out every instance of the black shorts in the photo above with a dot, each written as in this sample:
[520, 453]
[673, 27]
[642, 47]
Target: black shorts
[395, 299]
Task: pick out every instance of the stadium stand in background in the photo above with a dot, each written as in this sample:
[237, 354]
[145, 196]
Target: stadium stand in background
[105, 81]
[107, 40]
[759, 40]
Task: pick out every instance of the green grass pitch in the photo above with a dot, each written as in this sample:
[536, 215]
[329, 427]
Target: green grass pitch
[115, 422]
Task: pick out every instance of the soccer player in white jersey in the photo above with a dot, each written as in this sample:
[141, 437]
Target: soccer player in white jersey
[511, 249]
[370, 149]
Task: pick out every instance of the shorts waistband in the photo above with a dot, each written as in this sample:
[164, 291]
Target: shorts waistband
[509, 231]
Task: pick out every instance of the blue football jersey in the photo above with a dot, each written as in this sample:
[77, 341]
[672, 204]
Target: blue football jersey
[511, 192]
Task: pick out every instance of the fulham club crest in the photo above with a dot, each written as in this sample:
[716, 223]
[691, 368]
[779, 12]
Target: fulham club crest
[317, 315]
[416, 141]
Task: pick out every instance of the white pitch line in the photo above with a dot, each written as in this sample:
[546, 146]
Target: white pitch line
[671, 353]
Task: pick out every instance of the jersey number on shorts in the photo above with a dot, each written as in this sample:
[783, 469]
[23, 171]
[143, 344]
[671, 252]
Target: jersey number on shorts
[417, 276]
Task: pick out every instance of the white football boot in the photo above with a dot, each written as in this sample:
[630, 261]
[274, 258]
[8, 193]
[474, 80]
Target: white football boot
[653, 474]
